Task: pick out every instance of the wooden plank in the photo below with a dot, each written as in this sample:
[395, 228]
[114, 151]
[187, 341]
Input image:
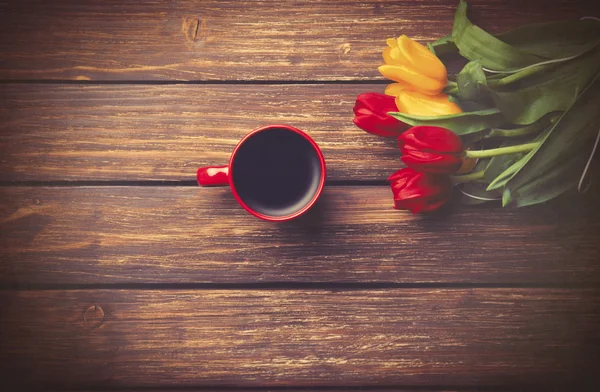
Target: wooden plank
[134, 132]
[288, 388]
[234, 40]
[139, 338]
[316, 388]
[103, 235]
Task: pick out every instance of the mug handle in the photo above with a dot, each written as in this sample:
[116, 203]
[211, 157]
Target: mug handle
[213, 176]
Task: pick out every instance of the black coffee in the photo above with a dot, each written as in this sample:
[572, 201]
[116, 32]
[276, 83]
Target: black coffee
[276, 172]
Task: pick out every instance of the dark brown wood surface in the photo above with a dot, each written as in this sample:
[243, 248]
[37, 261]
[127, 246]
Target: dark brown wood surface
[221, 388]
[117, 273]
[137, 132]
[490, 337]
[234, 40]
[103, 235]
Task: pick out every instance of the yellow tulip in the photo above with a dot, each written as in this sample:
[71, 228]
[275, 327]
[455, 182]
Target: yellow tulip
[413, 65]
[394, 89]
[419, 104]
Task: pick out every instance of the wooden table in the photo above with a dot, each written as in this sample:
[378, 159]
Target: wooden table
[118, 272]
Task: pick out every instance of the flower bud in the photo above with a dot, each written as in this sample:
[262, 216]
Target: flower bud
[413, 65]
[419, 192]
[370, 112]
[431, 149]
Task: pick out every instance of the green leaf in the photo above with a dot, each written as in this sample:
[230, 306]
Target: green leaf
[453, 99]
[548, 185]
[451, 89]
[500, 80]
[443, 46]
[526, 100]
[431, 48]
[474, 192]
[476, 44]
[472, 82]
[461, 124]
[524, 46]
[526, 130]
[506, 197]
[500, 163]
[555, 39]
[552, 167]
[473, 106]
[503, 177]
[443, 40]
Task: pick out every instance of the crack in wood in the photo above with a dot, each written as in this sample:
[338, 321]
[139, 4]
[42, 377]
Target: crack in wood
[194, 29]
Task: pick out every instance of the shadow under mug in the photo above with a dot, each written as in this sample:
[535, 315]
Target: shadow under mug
[276, 173]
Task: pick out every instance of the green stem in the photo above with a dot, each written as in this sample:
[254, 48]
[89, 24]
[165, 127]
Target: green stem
[496, 132]
[467, 177]
[536, 127]
[500, 151]
[527, 71]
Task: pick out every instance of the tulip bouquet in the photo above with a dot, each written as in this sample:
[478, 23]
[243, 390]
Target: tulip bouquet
[519, 123]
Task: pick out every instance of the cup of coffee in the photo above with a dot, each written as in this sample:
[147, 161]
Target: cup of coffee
[276, 173]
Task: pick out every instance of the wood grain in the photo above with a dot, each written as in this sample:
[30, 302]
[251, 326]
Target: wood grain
[135, 132]
[234, 40]
[328, 388]
[466, 337]
[102, 235]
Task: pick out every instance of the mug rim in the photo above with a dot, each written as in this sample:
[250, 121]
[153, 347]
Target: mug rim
[312, 200]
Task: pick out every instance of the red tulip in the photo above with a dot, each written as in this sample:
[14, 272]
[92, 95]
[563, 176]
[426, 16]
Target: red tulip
[431, 149]
[419, 192]
[370, 112]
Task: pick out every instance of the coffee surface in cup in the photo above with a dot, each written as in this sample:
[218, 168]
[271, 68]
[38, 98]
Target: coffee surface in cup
[276, 172]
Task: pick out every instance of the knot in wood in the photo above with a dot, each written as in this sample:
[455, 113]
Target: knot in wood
[93, 316]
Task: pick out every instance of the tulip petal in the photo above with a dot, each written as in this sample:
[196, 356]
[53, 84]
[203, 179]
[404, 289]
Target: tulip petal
[422, 204]
[412, 78]
[393, 56]
[394, 89]
[387, 56]
[431, 149]
[419, 192]
[418, 57]
[432, 163]
[430, 138]
[419, 104]
[370, 112]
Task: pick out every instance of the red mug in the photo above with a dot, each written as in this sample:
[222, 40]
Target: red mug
[276, 173]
